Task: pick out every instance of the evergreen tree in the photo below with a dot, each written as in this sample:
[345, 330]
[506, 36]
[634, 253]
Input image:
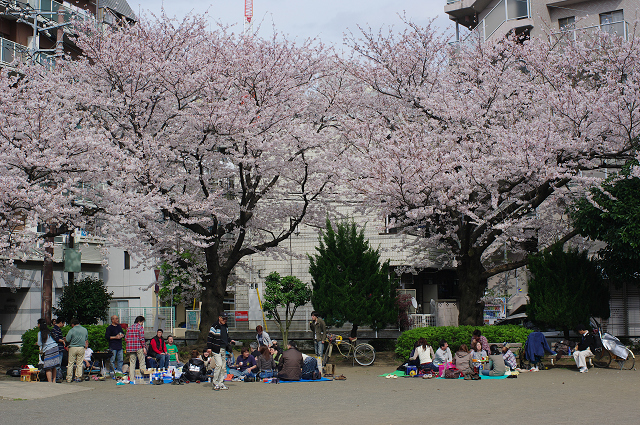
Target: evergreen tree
[86, 299]
[566, 289]
[349, 283]
[611, 214]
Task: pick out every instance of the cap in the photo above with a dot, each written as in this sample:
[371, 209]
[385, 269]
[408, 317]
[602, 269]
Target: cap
[224, 314]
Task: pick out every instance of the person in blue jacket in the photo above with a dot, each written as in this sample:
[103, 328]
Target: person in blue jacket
[535, 348]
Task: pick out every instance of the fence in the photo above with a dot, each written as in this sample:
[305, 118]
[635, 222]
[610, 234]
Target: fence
[297, 325]
[154, 317]
[422, 320]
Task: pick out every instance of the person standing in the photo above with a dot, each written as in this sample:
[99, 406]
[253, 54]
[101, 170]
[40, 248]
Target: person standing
[136, 347]
[159, 350]
[584, 349]
[218, 341]
[78, 340]
[319, 330]
[50, 352]
[262, 337]
[56, 334]
[114, 335]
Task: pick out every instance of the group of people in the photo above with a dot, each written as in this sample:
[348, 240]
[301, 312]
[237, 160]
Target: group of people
[263, 358]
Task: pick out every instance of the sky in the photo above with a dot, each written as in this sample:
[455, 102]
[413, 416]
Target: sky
[302, 19]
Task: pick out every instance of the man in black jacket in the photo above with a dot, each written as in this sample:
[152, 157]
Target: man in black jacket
[218, 341]
[584, 349]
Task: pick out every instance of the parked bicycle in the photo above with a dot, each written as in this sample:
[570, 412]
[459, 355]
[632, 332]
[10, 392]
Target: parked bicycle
[613, 350]
[363, 354]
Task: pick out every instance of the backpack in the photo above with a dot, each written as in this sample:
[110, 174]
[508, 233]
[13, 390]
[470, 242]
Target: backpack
[452, 373]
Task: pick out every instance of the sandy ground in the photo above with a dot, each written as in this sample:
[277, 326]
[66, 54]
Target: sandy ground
[557, 396]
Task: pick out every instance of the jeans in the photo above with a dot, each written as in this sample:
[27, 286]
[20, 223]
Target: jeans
[116, 360]
[163, 360]
[267, 374]
[318, 347]
[236, 373]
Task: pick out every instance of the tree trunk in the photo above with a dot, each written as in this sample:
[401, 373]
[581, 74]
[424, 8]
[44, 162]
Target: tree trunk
[472, 286]
[215, 286]
[354, 331]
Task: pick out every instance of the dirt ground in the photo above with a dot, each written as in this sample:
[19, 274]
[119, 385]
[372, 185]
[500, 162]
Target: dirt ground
[558, 396]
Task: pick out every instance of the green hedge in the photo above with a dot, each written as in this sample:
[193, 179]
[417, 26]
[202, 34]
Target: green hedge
[457, 335]
[97, 341]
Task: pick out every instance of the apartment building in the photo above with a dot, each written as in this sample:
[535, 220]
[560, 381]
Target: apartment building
[29, 29]
[492, 19]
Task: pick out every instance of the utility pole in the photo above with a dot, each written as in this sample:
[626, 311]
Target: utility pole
[248, 16]
[47, 277]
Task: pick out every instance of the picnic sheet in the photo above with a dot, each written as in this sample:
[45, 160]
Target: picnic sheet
[401, 374]
[308, 380]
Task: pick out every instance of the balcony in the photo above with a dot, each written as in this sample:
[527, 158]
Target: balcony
[620, 28]
[505, 16]
[457, 9]
[11, 51]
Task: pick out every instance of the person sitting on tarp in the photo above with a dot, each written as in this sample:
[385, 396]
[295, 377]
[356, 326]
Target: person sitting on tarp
[194, 370]
[535, 349]
[310, 370]
[422, 357]
[292, 363]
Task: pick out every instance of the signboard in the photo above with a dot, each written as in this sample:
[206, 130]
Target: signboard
[242, 316]
[72, 260]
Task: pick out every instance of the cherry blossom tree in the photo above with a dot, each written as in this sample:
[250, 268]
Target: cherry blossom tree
[46, 155]
[221, 144]
[475, 149]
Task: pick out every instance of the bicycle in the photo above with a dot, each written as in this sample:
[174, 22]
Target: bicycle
[613, 350]
[363, 354]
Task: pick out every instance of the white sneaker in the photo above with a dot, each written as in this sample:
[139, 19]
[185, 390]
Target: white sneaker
[534, 369]
[584, 370]
[224, 387]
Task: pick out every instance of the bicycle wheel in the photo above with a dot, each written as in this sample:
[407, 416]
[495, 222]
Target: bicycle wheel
[602, 358]
[364, 354]
[628, 363]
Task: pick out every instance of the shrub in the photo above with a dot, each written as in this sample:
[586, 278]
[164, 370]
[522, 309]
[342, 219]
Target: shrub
[97, 342]
[8, 350]
[457, 335]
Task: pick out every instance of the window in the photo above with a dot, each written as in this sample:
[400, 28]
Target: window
[567, 24]
[127, 260]
[613, 22]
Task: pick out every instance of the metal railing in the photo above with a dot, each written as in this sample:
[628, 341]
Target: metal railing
[504, 11]
[422, 320]
[297, 325]
[620, 28]
[154, 317]
[11, 51]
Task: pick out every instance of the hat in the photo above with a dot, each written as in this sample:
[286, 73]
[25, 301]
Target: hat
[224, 314]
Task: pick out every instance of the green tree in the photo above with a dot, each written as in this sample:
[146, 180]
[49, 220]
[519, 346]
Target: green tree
[287, 293]
[611, 214]
[349, 283]
[566, 289]
[86, 299]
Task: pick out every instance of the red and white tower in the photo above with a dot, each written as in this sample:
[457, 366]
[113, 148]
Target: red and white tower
[248, 16]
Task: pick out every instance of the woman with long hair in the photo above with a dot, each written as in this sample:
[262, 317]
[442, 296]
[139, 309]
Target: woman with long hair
[49, 350]
[266, 364]
[423, 357]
